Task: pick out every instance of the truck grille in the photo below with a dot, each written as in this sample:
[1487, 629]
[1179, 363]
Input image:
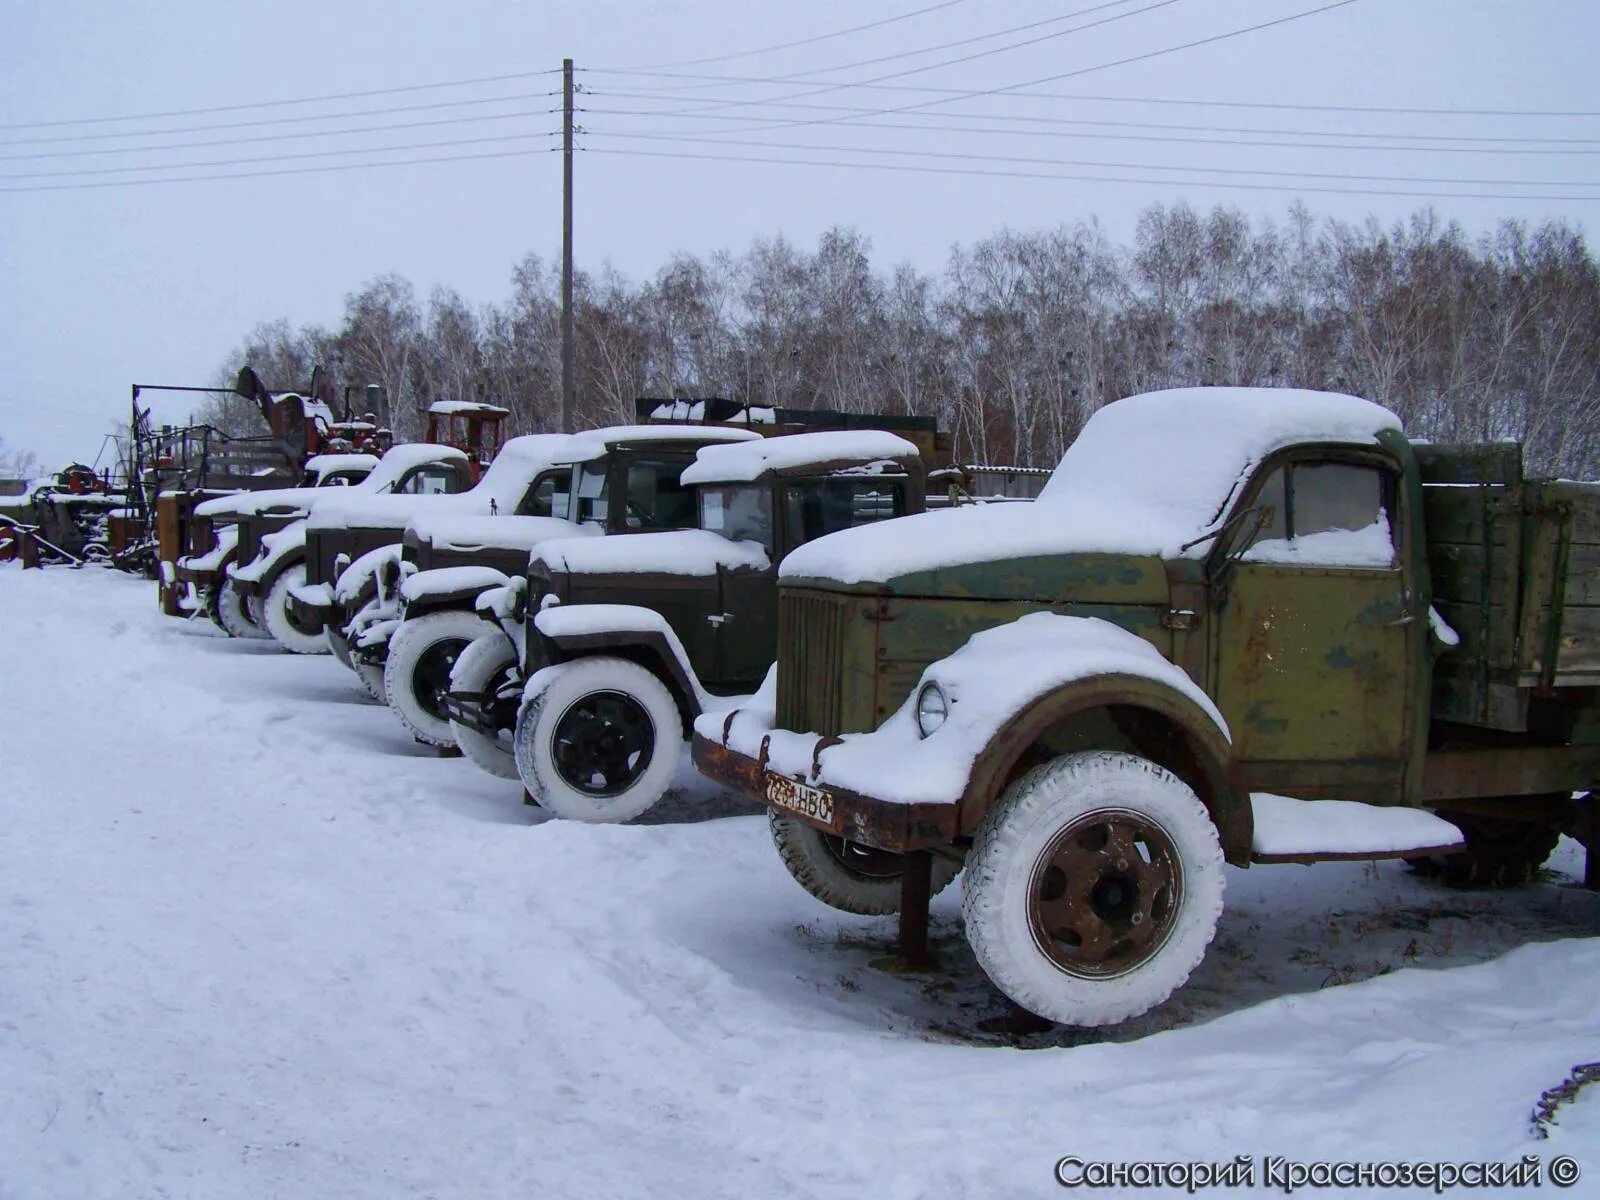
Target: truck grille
[810, 661]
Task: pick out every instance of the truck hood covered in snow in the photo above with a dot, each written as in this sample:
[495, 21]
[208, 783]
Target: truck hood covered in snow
[673, 552]
[389, 470]
[1147, 476]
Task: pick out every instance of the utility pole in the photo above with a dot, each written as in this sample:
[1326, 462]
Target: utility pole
[567, 384]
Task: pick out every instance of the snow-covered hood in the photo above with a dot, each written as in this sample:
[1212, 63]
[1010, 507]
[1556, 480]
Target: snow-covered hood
[500, 533]
[671, 552]
[1147, 477]
[386, 472]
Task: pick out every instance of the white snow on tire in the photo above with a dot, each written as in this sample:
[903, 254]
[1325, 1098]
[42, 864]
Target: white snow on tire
[560, 693]
[851, 878]
[479, 669]
[409, 650]
[1008, 853]
[233, 613]
[275, 615]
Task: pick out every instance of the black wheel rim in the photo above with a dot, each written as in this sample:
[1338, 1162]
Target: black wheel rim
[603, 743]
[867, 861]
[430, 681]
[1105, 894]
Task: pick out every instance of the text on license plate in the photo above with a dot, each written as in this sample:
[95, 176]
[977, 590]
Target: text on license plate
[797, 797]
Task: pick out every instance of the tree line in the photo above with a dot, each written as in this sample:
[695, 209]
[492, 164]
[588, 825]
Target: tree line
[1022, 335]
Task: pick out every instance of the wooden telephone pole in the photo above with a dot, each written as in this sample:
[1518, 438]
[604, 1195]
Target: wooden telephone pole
[567, 381]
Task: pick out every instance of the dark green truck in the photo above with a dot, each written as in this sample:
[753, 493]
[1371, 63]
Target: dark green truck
[1241, 625]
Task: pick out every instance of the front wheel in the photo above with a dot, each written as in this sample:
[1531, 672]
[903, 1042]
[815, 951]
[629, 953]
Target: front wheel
[486, 666]
[849, 876]
[292, 635]
[1093, 888]
[416, 673]
[233, 614]
[599, 740]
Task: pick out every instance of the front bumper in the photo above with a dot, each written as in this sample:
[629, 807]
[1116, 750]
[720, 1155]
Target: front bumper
[856, 818]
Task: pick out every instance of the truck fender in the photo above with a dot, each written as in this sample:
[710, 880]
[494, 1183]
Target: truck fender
[1127, 712]
[649, 648]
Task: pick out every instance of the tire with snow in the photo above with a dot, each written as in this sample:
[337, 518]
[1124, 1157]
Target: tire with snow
[416, 674]
[846, 875]
[1093, 888]
[233, 614]
[599, 740]
[288, 633]
[486, 665]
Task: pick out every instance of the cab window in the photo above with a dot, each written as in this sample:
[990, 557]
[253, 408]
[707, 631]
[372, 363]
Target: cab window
[550, 496]
[432, 480]
[816, 507]
[591, 491]
[740, 514]
[655, 497]
[1325, 514]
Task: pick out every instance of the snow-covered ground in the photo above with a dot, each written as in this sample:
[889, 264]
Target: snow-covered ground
[254, 942]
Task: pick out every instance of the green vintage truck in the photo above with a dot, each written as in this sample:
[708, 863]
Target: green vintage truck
[1238, 625]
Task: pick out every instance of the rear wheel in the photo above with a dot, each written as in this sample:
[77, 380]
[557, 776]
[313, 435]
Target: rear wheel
[846, 875]
[1093, 888]
[416, 674]
[487, 666]
[599, 740]
[293, 635]
[232, 613]
[1500, 853]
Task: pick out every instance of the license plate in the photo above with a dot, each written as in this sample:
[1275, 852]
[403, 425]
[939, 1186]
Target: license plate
[797, 797]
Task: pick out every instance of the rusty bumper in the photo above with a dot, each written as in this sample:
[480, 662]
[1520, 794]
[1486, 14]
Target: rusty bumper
[856, 818]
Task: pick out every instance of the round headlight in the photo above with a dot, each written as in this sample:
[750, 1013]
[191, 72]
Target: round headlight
[932, 709]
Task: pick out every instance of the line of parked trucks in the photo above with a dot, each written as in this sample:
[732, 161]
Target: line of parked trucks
[1236, 626]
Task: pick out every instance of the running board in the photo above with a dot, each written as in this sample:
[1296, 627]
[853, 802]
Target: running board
[1308, 831]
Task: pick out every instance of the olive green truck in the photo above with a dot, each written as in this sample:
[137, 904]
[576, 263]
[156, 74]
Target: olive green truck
[1238, 625]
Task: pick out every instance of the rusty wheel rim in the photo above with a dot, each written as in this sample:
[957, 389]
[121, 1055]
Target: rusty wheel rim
[1105, 893]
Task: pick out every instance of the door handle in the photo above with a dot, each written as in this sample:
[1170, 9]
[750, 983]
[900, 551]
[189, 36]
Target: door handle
[1402, 620]
[718, 619]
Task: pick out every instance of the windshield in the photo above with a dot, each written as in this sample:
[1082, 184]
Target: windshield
[816, 507]
[740, 513]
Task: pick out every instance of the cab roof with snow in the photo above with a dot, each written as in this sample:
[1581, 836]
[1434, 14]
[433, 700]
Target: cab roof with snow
[843, 451]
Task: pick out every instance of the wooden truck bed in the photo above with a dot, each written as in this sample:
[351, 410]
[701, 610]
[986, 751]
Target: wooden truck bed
[1515, 564]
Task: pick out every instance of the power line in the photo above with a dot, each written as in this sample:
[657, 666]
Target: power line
[1006, 158]
[1254, 187]
[1012, 118]
[404, 162]
[1019, 93]
[336, 116]
[232, 162]
[280, 137]
[950, 62]
[800, 76]
[1104, 66]
[221, 108]
[811, 41]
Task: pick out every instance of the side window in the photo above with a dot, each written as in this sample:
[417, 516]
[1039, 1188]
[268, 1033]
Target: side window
[434, 480]
[816, 507]
[550, 496]
[592, 499]
[656, 499]
[740, 514]
[1325, 514]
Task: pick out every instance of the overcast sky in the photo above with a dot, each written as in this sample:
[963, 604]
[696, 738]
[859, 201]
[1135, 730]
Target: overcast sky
[109, 285]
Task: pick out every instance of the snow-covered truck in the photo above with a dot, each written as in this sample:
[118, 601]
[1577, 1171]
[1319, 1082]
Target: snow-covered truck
[354, 557]
[223, 527]
[1238, 625]
[624, 641]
